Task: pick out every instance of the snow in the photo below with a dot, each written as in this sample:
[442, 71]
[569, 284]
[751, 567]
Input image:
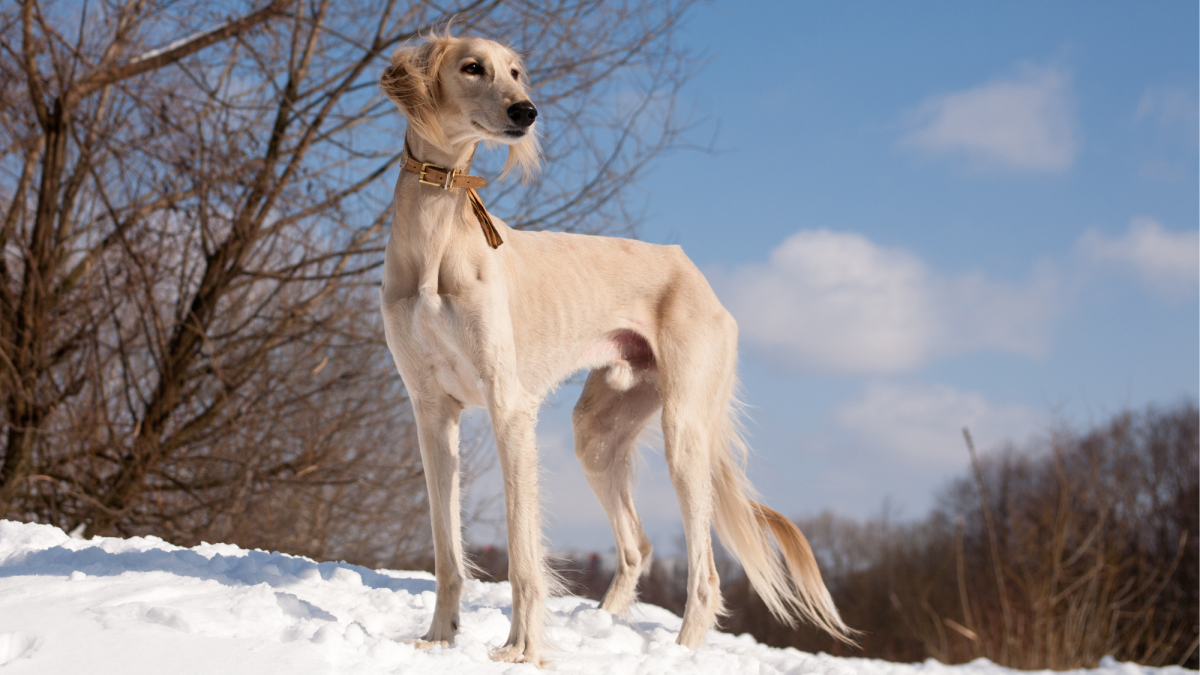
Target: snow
[141, 605]
[177, 44]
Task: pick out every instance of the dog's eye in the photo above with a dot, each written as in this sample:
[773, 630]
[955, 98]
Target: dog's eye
[472, 69]
[516, 74]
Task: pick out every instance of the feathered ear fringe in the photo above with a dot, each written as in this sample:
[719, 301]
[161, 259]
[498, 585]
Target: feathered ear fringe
[412, 83]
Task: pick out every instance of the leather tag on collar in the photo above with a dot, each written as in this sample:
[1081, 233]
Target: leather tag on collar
[485, 220]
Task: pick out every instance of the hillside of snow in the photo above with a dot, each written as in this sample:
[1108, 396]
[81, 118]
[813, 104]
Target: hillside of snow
[141, 605]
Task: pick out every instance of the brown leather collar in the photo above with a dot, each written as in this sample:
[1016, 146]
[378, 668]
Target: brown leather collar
[440, 176]
[446, 179]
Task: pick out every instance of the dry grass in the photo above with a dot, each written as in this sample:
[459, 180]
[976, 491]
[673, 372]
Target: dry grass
[1051, 556]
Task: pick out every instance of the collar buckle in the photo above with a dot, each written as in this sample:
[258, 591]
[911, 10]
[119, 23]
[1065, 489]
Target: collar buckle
[445, 185]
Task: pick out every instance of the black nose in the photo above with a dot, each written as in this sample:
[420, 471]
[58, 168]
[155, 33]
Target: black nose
[523, 113]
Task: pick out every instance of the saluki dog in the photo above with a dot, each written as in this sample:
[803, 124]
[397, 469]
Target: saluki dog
[479, 314]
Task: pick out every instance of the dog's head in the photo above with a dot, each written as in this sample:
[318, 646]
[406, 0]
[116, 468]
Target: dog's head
[457, 90]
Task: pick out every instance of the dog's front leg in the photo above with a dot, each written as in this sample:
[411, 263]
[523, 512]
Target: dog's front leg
[514, 415]
[438, 416]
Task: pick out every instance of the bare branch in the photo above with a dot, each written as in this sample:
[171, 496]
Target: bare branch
[165, 56]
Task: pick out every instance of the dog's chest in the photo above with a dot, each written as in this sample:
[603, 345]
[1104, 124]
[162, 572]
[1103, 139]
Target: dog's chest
[443, 356]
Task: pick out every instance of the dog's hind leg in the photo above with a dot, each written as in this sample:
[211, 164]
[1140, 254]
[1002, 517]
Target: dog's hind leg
[697, 377]
[687, 440]
[438, 416]
[607, 423]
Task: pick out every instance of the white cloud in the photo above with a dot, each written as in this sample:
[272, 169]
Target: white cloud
[835, 301]
[1169, 107]
[838, 302]
[924, 422]
[977, 313]
[1166, 124]
[1026, 123]
[1167, 261]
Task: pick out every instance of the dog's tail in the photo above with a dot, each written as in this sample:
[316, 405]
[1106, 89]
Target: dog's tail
[786, 578]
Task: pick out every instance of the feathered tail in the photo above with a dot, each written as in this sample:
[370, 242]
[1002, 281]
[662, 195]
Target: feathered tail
[786, 578]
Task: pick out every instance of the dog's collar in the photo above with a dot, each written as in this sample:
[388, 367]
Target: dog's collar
[440, 176]
[449, 178]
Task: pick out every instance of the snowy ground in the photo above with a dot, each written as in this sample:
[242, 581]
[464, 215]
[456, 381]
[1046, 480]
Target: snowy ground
[128, 606]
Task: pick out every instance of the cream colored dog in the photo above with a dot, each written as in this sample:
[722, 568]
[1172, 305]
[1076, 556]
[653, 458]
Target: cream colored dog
[498, 327]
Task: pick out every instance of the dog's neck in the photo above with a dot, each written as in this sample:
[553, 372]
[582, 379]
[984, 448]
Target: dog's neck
[427, 217]
[458, 156]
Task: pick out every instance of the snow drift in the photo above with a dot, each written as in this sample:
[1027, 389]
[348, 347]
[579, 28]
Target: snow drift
[141, 605]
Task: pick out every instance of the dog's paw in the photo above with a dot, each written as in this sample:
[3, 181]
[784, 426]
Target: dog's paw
[423, 644]
[440, 634]
[516, 654]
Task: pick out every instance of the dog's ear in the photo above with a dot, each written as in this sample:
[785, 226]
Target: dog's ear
[412, 83]
[525, 156]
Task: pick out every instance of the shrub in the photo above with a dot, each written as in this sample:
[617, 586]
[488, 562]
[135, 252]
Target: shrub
[1050, 556]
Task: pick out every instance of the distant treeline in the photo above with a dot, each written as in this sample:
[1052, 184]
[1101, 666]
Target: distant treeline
[1047, 556]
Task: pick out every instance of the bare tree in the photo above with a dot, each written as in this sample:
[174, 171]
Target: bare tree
[194, 209]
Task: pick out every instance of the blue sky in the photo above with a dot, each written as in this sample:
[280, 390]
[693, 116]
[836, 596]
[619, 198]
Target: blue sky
[965, 213]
